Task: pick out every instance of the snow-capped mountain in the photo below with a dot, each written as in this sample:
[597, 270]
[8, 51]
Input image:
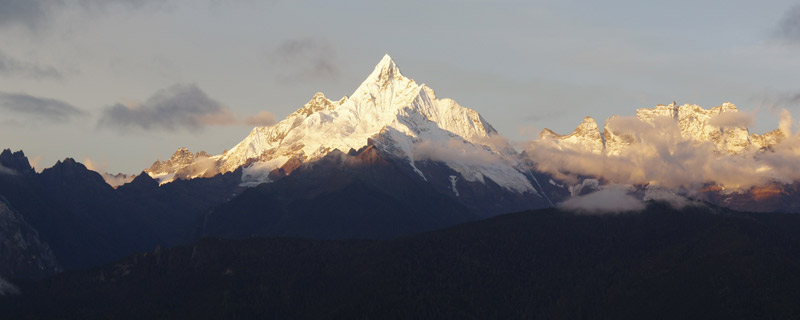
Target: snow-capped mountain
[693, 123]
[394, 113]
[585, 138]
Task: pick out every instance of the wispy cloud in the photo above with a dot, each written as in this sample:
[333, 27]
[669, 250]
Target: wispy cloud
[732, 120]
[263, 118]
[306, 59]
[788, 100]
[10, 66]
[39, 108]
[6, 170]
[789, 26]
[6, 288]
[179, 107]
[114, 180]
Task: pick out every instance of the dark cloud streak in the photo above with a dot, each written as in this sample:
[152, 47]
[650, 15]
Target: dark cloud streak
[29, 13]
[38, 14]
[13, 67]
[173, 108]
[38, 107]
[179, 107]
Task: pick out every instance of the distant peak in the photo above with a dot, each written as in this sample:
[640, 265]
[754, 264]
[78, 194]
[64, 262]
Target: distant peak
[318, 95]
[317, 103]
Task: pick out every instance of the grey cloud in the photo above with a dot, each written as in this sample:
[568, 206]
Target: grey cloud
[37, 14]
[789, 100]
[29, 13]
[306, 59]
[174, 108]
[38, 107]
[10, 66]
[789, 25]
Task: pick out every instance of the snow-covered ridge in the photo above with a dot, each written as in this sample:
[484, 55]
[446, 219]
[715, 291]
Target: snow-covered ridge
[717, 125]
[401, 117]
[675, 147]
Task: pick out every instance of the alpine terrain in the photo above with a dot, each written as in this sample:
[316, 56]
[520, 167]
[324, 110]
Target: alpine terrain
[441, 142]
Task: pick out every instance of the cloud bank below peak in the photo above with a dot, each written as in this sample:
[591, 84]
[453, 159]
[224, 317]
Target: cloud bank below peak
[612, 199]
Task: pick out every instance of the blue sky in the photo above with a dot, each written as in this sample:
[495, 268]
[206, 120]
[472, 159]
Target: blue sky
[68, 68]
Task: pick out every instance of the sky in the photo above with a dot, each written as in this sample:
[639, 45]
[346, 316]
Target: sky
[122, 83]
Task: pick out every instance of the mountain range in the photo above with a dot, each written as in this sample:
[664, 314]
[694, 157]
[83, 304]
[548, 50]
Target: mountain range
[390, 160]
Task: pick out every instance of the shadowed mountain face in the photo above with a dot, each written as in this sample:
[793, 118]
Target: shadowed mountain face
[355, 195]
[86, 222]
[22, 253]
[662, 263]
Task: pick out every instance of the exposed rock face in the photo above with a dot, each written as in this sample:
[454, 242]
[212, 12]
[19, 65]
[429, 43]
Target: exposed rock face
[22, 253]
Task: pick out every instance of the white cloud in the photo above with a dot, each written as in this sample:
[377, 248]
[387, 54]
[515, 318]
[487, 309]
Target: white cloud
[732, 119]
[612, 199]
[114, 180]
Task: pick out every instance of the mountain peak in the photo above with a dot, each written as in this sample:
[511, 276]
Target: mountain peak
[385, 70]
[586, 137]
[16, 161]
[386, 61]
[403, 119]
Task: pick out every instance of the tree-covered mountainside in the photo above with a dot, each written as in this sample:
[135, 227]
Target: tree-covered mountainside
[698, 262]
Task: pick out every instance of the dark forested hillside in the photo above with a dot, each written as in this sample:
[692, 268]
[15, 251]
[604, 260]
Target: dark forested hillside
[674, 264]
